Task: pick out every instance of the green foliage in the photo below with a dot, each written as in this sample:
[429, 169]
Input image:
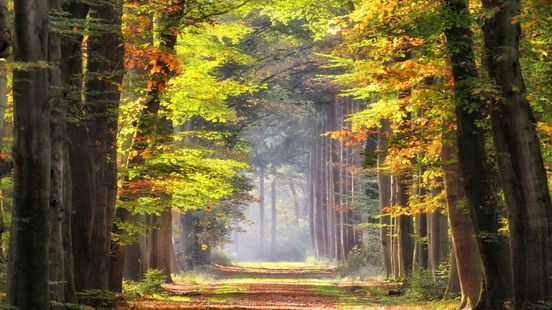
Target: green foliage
[319, 15]
[200, 89]
[423, 285]
[219, 257]
[363, 262]
[3, 272]
[153, 279]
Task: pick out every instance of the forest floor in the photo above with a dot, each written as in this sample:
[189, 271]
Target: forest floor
[278, 286]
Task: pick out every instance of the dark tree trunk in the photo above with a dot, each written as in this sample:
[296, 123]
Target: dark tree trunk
[421, 251]
[405, 230]
[468, 259]
[474, 162]
[60, 238]
[93, 152]
[437, 239]
[5, 32]
[453, 287]
[28, 259]
[135, 256]
[159, 241]
[196, 253]
[519, 157]
[71, 71]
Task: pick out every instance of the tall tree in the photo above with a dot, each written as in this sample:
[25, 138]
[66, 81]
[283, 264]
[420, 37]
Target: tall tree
[60, 242]
[28, 262]
[384, 185]
[163, 69]
[261, 211]
[273, 219]
[519, 157]
[94, 148]
[477, 175]
[467, 257]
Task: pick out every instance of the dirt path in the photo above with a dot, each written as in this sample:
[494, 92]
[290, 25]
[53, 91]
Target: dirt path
[267, 288]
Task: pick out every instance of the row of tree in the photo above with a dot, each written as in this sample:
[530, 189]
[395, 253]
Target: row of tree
[445, 84]
[114, 143]
[451, 131]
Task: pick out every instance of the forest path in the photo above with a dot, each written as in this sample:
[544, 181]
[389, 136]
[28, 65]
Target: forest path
[241, 287]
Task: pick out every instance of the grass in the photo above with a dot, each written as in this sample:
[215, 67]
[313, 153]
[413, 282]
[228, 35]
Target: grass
[194, 278]
[362, 297]
[309, 264]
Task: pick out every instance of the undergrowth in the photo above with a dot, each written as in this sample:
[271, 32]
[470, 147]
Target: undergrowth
[153, 279]
[422, 284]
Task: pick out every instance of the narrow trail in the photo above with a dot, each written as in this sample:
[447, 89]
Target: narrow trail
[271, 288]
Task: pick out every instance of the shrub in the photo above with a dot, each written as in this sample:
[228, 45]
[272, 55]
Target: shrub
[361, 264]
[422, 285]
[151, 284]
[219, 257]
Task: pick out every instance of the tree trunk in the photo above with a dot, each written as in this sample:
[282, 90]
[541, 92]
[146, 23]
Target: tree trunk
[28, 259]
[159, 241]
[273, 219]
[405, 230]
[437, 239]
[135, 258]
[74, 231]
[384, 185]
[93, 151]
[148, 123]
[474, 162]
[5, 32]
[453, 287]
[296, 211]
[60, 238]
[421, 251]
[262, 212]
[311, 196]
[196, 251]
[467, 257]
[519, 157]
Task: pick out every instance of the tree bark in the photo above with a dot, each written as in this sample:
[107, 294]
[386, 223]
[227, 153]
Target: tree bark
[384, 188]
[148, 123]
[467, 257]
[160, 246]
[453, 287]
[135, 257]
[93, 150]
[474, 161]
[519, 157]
[60, 238]
[438, 239]
[5, 32]
[405, 230]
[28, 259]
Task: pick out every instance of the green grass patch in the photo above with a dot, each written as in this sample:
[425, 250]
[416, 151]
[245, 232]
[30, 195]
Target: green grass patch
[275, 280]
[175, 298]
[286, 265]
[230, 289]
[194, 278]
